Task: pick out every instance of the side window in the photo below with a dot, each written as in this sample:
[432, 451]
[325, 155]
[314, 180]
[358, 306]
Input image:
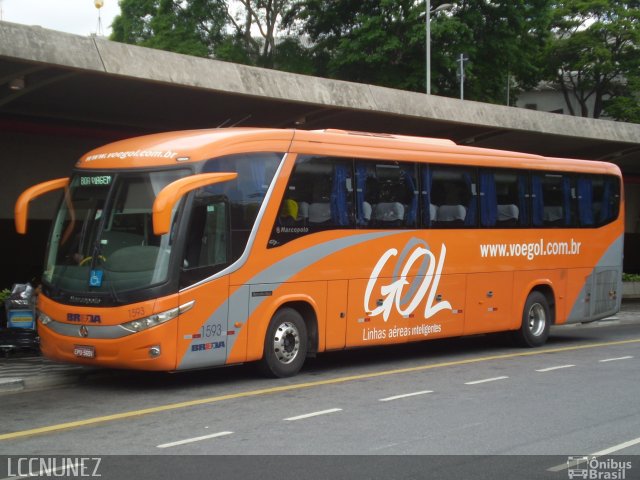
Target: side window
[610, 199]
[598, 199]
[453, 200]
[246, 193]
[386, 194]
[553, 198]
[319, 196]
[207, 246]
[504, 199]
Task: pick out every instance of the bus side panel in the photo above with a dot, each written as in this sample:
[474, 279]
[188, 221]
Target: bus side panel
[336, 326]
[202, 331]
[579, 286]
[448, 322]
[446, 308]
[598, 291]
[237, 324]
[362, 327]
[524, 282]
[266, 299]
[489, 297]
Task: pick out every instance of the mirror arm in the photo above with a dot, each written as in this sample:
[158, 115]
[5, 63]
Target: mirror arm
[170, 195]
[21, 210]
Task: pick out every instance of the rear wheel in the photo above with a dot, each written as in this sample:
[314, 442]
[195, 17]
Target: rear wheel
[285, 345]
[536, 321]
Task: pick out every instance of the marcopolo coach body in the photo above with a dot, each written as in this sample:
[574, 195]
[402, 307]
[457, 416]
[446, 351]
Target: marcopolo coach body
[203, 248]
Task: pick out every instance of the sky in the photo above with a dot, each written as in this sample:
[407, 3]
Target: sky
[72, 16]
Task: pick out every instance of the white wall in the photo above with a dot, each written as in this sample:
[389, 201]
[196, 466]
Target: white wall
[550, 101]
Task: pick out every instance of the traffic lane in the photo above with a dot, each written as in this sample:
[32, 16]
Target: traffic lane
[528, 412]
[500, 416]
[131, 390]
[118, 391]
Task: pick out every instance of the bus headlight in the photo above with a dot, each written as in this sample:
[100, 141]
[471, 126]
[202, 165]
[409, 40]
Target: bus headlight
[44, 318]
[156, 319]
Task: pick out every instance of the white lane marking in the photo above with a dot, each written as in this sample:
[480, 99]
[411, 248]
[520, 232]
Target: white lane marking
[396, 397]
[313, 414]
[475, 382]
[549, 369]
[617, 358]
[606, 451]
[194, 439]
[615, 448]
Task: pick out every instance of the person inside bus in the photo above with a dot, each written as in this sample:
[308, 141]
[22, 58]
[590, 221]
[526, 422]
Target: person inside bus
[289, 212]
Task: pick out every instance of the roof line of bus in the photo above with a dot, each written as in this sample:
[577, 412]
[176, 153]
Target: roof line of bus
[437, 145]
[218, 141]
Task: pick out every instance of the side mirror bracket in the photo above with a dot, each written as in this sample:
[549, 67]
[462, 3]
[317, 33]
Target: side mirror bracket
[21, 209]
[170, 195]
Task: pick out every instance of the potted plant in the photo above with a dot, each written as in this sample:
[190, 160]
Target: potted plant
[4, 294]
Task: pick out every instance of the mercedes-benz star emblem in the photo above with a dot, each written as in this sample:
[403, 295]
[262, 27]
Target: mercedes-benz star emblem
[84, 331]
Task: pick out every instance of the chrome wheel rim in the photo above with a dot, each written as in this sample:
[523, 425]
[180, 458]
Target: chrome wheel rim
[537, 319]
[286, 342]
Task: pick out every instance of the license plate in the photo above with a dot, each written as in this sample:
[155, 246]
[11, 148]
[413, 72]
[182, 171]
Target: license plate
[84, 351]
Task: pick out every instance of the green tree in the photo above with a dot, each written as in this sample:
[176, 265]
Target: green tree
[594, 56]
[243, 31]
[383, 42]
[193, 27]
[626, 105]
[370, 41]
[264, 17]
[504, 41]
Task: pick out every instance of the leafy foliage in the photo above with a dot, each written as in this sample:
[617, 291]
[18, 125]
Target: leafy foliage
[224, 29]
[191, 28]
[383, 42]
[587, 47]
[594, 55]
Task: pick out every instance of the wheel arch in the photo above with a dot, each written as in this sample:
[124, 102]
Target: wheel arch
[546, 289]
[308, 310]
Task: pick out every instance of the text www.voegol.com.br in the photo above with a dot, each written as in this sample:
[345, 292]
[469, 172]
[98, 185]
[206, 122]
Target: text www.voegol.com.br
[530, 250]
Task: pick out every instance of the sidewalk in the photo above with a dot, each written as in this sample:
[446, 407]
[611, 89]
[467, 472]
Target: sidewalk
[29, 372]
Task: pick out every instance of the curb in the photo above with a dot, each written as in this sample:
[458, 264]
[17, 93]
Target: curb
[45, 381]
[8, 385]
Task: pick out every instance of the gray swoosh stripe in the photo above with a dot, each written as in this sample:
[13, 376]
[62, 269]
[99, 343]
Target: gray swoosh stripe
[283, 270]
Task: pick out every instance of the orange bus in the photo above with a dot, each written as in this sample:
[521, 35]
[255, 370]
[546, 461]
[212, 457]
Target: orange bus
[215, 247]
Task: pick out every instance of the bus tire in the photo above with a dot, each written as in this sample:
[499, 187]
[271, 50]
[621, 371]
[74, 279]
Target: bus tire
[536, 321]
[285, 345]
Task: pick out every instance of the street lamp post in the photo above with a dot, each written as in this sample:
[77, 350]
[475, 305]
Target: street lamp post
[444, 6]
[463, 58]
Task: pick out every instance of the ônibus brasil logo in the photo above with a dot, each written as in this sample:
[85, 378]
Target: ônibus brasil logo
[402, 294]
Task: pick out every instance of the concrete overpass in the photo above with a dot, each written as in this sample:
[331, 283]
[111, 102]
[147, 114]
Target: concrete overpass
[62, 94]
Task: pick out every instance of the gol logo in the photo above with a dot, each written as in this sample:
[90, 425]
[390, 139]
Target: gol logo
[402, 295]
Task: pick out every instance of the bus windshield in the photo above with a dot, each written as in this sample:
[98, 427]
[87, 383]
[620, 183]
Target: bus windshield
[102, 238]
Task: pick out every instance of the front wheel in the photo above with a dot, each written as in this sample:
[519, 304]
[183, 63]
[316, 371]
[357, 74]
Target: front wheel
[285, 345]
[536, 321]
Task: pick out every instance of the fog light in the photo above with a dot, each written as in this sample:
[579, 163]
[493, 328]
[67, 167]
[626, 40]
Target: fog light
[154, 351]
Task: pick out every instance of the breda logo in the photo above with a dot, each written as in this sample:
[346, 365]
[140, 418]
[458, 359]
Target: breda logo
[400, 294]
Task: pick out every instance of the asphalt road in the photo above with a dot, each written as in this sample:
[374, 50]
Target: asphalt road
[578, 395]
